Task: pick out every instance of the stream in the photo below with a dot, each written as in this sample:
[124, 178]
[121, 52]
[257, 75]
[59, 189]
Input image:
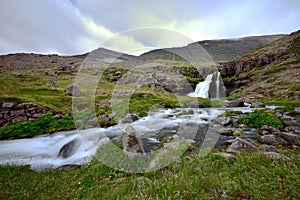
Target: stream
[79, 146]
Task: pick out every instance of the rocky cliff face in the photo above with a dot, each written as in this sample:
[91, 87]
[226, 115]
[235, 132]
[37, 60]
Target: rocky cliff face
[274, 65]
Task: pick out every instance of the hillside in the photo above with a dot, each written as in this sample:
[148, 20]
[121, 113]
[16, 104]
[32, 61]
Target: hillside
[218, 50]
[270, 74]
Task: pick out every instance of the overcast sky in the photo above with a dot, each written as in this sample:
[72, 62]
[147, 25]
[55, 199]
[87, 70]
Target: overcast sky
[77, 26]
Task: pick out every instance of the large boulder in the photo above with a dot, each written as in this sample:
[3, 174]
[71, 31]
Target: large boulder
[292, 139]
[235, 103]
[73, 90]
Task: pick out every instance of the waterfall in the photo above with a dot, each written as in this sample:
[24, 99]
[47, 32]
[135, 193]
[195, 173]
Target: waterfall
[211, 87]
[202, 88]
[218, 85]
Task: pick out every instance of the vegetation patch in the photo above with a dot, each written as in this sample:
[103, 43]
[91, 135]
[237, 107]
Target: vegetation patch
[259, 118]
[275, 70]
[230, 113]
[45, 125]
[249, 176]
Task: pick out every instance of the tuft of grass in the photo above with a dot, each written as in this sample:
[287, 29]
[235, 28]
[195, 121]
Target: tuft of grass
[260, 117]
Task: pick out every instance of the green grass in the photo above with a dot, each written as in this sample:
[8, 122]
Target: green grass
[276, 69]
[31, 87]
[251, 176]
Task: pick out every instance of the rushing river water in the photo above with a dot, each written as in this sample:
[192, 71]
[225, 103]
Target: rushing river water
[79, 146]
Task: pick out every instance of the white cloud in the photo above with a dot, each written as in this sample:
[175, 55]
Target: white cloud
[78, 26]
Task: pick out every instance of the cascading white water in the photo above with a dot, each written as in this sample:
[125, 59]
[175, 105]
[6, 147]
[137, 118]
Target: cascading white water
[218, 85]
[202, 88]
[79, 146]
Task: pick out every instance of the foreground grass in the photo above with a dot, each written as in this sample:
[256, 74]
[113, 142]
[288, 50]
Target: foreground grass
[251, 176]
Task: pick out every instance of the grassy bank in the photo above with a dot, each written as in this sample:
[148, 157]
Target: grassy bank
[251, 176]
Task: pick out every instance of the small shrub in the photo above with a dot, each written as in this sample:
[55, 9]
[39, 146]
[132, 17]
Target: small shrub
[259, 118]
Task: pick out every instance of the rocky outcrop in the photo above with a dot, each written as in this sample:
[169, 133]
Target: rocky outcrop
[12, 112]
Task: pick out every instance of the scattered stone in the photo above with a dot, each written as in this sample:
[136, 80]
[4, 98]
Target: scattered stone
[250, 134]
[269, 139]
[224, 121]
[291, 138]
[104, 118]
[240, 145]
[73, 90]
[69, 167]
[293, 129]
[238, 133]
[118, 73]
[51, 82]
[275, 155]
[37, 115]
[266, 130]
[17, 74]
[50, 73]
[58, 116]
[226, 131]
[93, 122]
[268, 148]
[228, 156]
[235, 103]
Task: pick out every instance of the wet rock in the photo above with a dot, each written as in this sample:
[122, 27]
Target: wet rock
[268, 148]
[240, 145]
[266, 130]
[69, 149]
[130, 142]
[130, 118]
[187, 112]
[235, 103]
[292, 139]
[195, 104]
[228, 156]
[257, 105]
[275, 155]
[73, 90]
